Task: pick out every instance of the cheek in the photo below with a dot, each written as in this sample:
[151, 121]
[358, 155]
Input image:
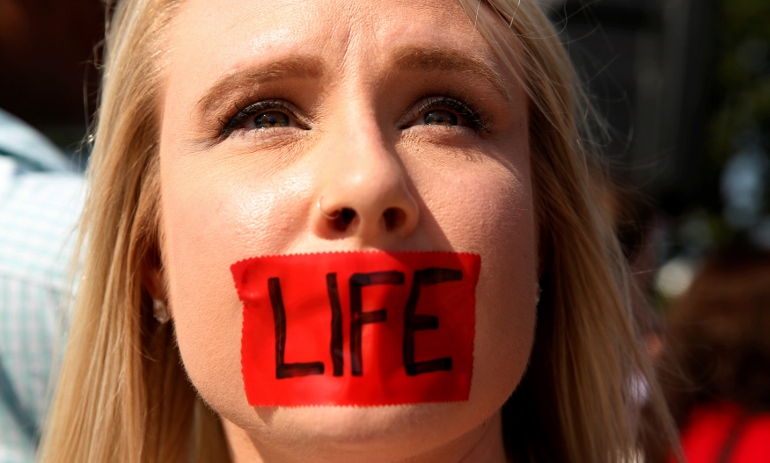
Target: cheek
[210, 221]
[505, 294]
[493, 216]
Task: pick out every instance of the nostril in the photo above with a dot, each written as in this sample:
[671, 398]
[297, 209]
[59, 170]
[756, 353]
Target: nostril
[394, 218]
[344, 218]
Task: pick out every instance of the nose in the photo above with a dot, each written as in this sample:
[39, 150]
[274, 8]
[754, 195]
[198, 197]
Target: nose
[365, 191]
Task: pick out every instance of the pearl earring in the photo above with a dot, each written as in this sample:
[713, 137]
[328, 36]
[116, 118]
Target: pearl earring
[159, 311]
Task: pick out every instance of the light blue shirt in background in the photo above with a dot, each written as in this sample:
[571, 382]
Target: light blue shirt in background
[40, 202]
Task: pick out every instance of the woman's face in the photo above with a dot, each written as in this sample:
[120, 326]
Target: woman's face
[396, 110]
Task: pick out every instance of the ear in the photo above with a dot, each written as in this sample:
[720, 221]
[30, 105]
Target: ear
[153, 276]
[154, 282]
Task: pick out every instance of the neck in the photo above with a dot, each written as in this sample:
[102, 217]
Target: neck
[483, 443]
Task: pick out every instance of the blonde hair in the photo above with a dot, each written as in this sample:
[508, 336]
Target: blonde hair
[576, 402]
[123, 395]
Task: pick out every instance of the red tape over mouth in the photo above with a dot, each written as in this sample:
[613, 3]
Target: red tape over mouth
[357, 328]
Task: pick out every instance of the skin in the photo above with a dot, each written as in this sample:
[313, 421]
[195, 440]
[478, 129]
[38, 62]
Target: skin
[355, 136]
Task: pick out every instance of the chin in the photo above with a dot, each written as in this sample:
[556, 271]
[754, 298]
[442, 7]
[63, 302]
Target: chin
[376, 434]
[352, 425]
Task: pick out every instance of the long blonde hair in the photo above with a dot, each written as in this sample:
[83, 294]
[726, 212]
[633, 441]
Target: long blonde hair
[123, 394]
[577, 400]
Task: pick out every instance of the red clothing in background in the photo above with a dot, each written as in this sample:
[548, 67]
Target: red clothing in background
[721, 429]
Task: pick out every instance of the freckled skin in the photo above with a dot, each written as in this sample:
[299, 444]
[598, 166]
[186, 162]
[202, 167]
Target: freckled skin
[355, 137]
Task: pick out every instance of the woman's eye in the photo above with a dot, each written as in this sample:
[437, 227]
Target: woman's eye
[271, 119]
[266, 114]
[440, 117]
[447, 112]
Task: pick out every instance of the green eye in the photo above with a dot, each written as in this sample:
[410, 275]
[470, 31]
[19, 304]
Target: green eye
[271, 119]
[440, 117]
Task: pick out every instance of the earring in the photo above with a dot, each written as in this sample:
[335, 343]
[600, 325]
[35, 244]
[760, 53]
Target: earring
[159, 311]
[538, 291]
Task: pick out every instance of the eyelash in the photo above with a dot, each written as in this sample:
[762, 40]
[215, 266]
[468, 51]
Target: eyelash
[242, 114]
[473, 117]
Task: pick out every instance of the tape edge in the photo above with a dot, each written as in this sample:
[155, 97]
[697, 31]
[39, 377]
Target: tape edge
[350, 251]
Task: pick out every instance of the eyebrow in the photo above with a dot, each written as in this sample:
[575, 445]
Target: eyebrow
[438, 59]
[302, 67]
[310, 67]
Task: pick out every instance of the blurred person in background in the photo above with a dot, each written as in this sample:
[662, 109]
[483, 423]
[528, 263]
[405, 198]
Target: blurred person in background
[40, 201]
[44, 49]
[715, 364]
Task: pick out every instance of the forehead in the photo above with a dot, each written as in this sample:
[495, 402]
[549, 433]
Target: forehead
[210, 37]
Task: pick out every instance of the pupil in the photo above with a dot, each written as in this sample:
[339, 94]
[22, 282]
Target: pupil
[271, 119]
[440, 117]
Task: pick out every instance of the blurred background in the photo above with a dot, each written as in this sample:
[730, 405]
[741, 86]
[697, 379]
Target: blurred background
[683, 86]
